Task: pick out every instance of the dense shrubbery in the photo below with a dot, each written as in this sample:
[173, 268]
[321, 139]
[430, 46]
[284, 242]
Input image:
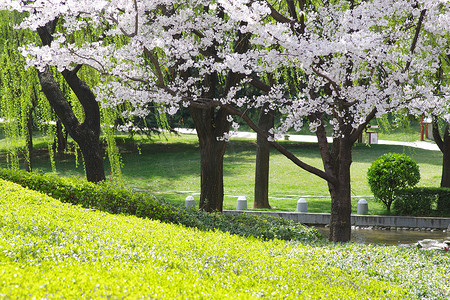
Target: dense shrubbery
[109, 198]
[49, 249]
[423, 201]
[389, 173]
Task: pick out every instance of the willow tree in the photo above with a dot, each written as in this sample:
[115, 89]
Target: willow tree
[21, 102]
[441, 125]
[28, 92]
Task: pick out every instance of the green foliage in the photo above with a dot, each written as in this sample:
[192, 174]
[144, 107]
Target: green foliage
[389, 173]
[423, 201]
[50, 249]
[19, 95]
[112, 199]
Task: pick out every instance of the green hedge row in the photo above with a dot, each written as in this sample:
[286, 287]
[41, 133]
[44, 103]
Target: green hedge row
[423, 201]
[115, 200]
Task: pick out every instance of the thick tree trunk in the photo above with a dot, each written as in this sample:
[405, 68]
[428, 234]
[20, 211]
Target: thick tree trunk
[261, 200]
[445, 180]
[92, 155]
[86, 134]
[443, 142]
[340, 223]
[211, 125]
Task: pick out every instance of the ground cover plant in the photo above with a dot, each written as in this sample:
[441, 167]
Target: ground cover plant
[50, 249]
[116, 200]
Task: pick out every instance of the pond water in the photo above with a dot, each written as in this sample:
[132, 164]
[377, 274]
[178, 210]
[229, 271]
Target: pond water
[391, 237]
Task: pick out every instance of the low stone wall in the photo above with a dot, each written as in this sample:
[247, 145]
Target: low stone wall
[358, 220]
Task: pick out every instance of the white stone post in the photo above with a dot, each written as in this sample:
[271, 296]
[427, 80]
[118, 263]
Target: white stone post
[241, 203]
[189, 202]
[302, 205]
[363, 207]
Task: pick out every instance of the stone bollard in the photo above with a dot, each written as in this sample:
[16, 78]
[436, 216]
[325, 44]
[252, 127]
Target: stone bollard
[302, 205]
[363, 207]
[241, 203]
[189, 202]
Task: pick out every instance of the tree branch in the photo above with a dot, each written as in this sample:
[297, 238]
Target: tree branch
[332, 82]
[437, 135]
[234, 111]
[57, 101]
[278, 16]
[416, 38]
[356, 133]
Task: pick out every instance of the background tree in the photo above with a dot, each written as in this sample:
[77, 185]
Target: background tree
[265, 122]
[23, 107]
[441, 131]
[22, 98]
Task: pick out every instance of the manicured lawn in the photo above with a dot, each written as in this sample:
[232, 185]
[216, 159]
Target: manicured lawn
[169, 167]
[53, 250]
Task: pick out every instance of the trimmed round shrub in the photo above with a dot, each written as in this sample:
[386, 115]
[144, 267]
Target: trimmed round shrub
[389, 173]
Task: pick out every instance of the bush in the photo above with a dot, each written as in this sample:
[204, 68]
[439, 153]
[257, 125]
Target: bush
[389, 173]
[421, 201]
[112, 199]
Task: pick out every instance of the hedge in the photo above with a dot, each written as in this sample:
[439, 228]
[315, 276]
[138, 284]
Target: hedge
[112, 199]
[423, 201]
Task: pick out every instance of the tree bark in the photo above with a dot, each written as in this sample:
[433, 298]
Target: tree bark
[445, 180]
[211, 125]
[444, 145]
[340, 192]
[265, 122]
[60, 143]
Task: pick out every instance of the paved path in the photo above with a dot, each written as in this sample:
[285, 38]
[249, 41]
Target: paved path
[313, 139]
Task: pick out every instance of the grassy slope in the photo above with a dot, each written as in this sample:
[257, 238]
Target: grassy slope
[49, 249]
[167, 167]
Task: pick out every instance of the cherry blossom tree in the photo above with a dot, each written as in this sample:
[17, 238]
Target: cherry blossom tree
[334, 66]
[355, 61]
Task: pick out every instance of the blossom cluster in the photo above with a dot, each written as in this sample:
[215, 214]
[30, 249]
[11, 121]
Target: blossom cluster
[349, 60]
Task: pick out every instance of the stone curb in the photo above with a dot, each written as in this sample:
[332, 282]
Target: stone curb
[357, 220]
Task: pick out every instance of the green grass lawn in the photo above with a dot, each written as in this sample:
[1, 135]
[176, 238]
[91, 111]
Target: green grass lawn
[50, 249]
[169, 167]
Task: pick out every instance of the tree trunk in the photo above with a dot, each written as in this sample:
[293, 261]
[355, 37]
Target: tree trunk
[60, 143]
[92, 155]
[388, 207]
[261, 200]
[443, 143]
[445, 180]
[340, 223]
[29, 156]
[86, 134]
[211, 125]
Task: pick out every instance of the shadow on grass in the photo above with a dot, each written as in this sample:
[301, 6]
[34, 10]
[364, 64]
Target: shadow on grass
[368, 153]
[174, 162]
